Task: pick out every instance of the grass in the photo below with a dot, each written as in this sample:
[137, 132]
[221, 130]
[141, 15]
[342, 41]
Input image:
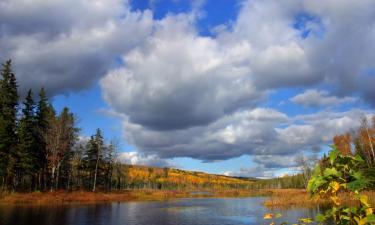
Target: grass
[278, 198]
[289, 198]
[64, 197]
[286, 198]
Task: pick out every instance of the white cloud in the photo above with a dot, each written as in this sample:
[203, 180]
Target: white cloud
[276, 137]
[54, 43]
[256, 172]
[183, 94]
[316, 98]
[136, 158]
[178, 79]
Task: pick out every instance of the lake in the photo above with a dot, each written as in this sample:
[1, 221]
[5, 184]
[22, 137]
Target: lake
[197, 211]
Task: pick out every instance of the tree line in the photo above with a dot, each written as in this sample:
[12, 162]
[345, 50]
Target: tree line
[40, 148]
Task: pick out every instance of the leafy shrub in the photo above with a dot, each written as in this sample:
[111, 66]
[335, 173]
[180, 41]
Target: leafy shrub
[342, 175]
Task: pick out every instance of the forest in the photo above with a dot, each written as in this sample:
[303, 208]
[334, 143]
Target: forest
[40, 150]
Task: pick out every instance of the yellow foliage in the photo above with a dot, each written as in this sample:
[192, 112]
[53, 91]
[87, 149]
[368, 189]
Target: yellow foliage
[189, 179]
[268, 216]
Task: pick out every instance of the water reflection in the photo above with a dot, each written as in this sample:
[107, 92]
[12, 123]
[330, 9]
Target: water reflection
[212, 211]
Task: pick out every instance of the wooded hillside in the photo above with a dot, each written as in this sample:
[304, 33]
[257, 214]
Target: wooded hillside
[135, 177]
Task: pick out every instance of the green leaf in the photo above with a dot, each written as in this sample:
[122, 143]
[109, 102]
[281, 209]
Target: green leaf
[320, 217]
[333, 154]
[278, 215]
[357, 185]
[306, 220]
[343, 217]
[329, 172]
[371, 219]
[358, 158]
[357, 175]
[316, 183]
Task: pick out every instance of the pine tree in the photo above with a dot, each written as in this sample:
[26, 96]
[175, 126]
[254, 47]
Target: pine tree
[110, 158]
[43, 113]
[8, 121]
[95, 150]
[26, 159]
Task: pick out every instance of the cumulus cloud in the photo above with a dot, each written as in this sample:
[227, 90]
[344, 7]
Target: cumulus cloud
[55, 43]
[246, 132]
[262, 133]
[305, 43]
[181, 94]
[257, 171]
[178, 79]
[317, 98]
[319, 128]
[136, 158]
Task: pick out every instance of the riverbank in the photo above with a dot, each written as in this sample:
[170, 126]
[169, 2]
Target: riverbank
[277, 198]
[289, 198]
[64, 197]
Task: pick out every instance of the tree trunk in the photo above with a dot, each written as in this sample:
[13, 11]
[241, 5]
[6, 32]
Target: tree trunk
[371, 146]
[3, 184]
[96, 172]
[57, 176]
[52, 177]
[68, 186]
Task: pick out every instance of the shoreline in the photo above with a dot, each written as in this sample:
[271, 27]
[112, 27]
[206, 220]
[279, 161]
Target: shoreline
[85, 197]
[276, 198]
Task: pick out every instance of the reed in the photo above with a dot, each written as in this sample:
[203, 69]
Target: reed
[64, 197]
[289, 198]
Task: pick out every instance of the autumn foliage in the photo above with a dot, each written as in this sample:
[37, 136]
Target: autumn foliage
[138, 177]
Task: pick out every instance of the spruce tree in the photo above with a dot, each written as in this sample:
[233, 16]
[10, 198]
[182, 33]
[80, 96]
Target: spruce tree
[43, 113]
[8, 120]
[27, 157]
[95, 150]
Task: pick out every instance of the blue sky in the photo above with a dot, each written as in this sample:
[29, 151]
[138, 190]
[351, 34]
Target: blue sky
[240, 87]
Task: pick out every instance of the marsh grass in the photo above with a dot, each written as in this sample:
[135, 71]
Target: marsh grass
[289, 198]
[277, 198]
[64, 197]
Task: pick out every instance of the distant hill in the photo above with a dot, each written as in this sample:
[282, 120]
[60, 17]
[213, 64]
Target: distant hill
[133, 177]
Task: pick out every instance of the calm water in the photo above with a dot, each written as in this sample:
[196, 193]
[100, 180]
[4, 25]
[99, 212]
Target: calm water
[215, 211]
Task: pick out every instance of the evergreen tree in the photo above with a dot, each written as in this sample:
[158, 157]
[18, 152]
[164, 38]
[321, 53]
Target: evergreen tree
[26, 159]
[110, 158]
[8, 121]
[95, 152]
[43, 113]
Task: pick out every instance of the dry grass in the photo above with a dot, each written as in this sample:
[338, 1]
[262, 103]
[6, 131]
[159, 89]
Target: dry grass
[286, 198]
[63, 197]
[278, 198]
[281, 198]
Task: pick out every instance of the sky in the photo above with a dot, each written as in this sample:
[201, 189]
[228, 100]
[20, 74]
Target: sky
[235, 87]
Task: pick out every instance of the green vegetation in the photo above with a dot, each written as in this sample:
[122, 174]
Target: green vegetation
[343, 180]
[340, 183]
[35, 142]
[341, 174]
